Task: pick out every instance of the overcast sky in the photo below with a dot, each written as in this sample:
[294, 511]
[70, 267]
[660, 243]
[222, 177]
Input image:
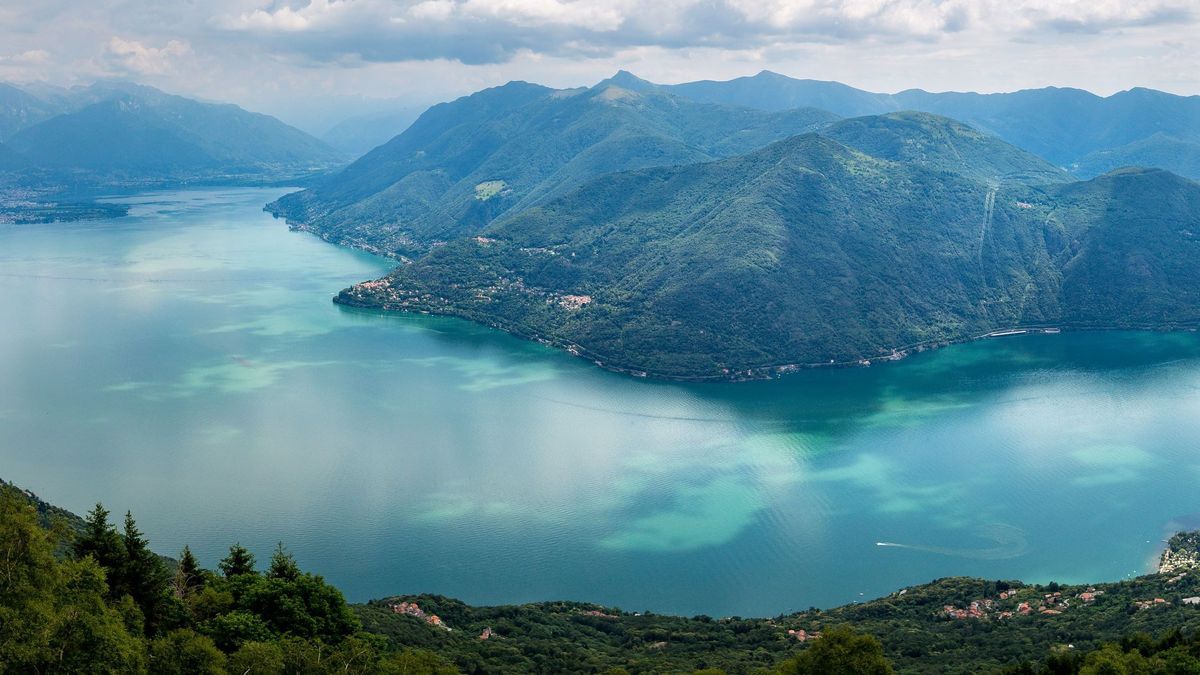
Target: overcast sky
[310, 61]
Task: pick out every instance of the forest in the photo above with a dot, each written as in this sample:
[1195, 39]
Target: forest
[84, 595]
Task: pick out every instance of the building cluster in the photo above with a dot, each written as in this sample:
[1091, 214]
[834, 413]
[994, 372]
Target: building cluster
[414, 610]
[803, 635]
[1147, 604]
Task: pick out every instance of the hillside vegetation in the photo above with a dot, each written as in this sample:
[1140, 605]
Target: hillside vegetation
[105, 603]
[810, 251]
[423, 187]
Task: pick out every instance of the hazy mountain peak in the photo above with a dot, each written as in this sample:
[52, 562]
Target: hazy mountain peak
[627, 80]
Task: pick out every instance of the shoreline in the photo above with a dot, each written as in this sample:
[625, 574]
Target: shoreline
[756, 373]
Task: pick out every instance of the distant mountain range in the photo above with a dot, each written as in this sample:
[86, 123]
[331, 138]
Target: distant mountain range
[114, 132]
[463, 164]
[360, 134]
[1075, 129]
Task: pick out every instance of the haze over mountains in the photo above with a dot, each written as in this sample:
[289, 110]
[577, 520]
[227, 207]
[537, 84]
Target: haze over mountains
[120, 131]
[1086, 133]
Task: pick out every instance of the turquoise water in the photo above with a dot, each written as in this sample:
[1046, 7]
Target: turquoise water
[186, 363]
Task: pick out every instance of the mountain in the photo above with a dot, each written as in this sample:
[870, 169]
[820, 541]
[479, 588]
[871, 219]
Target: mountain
[358, 135]
[945, 145]
[20, 109]
[1068, 127]
[142, 131]
[463, 164]
[810, 251]
[772, 91]
[1159, 150]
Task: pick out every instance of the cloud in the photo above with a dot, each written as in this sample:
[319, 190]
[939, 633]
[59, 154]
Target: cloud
[135, 57]
[494, 31]
[31, 57]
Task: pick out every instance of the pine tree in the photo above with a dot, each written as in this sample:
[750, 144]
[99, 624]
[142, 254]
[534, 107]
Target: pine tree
[100, 541]
[283, 565]
[189, 578]
[239, 561]
[143, 577]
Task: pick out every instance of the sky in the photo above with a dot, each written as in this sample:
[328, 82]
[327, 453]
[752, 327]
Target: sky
[314, 62]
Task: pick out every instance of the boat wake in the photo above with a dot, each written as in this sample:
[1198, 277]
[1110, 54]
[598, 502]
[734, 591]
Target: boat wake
[1008, 542]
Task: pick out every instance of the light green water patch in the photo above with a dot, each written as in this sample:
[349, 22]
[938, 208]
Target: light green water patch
[294, 324]
[896, 410]
[219, 435]
[241, 376]
[441, 508]
[484, 374]
[894, 492]
[131, 385]
[1109, 456]
[1111, 464]
[447, 508]
[707, 514]
[256, 296]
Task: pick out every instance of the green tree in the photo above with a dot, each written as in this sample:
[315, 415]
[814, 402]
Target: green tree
[257, 658]
[230, 631]
[305, 606]
[100, 540]
[142, 576]
[53, 615]
[185, 652]
[239, 562]
[283, 565]
[188, 576]
[416, 662]
[840, 650]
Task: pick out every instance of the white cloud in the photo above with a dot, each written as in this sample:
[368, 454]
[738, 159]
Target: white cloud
[30, 57]
[283, 55]
[133, 56]
[285, 18]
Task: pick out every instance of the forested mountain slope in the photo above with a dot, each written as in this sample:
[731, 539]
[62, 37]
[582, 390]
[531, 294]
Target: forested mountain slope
[464, 164]
[809, 251]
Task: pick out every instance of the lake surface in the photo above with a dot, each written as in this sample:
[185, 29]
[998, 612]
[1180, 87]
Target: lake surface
[186, 363]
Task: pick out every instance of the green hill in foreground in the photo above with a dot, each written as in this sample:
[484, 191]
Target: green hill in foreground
[876, 236]
[105, 603]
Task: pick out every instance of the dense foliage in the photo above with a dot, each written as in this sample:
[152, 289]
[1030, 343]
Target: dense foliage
[812, 252]
[106, 604]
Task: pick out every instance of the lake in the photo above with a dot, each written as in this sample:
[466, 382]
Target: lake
[186, 363]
